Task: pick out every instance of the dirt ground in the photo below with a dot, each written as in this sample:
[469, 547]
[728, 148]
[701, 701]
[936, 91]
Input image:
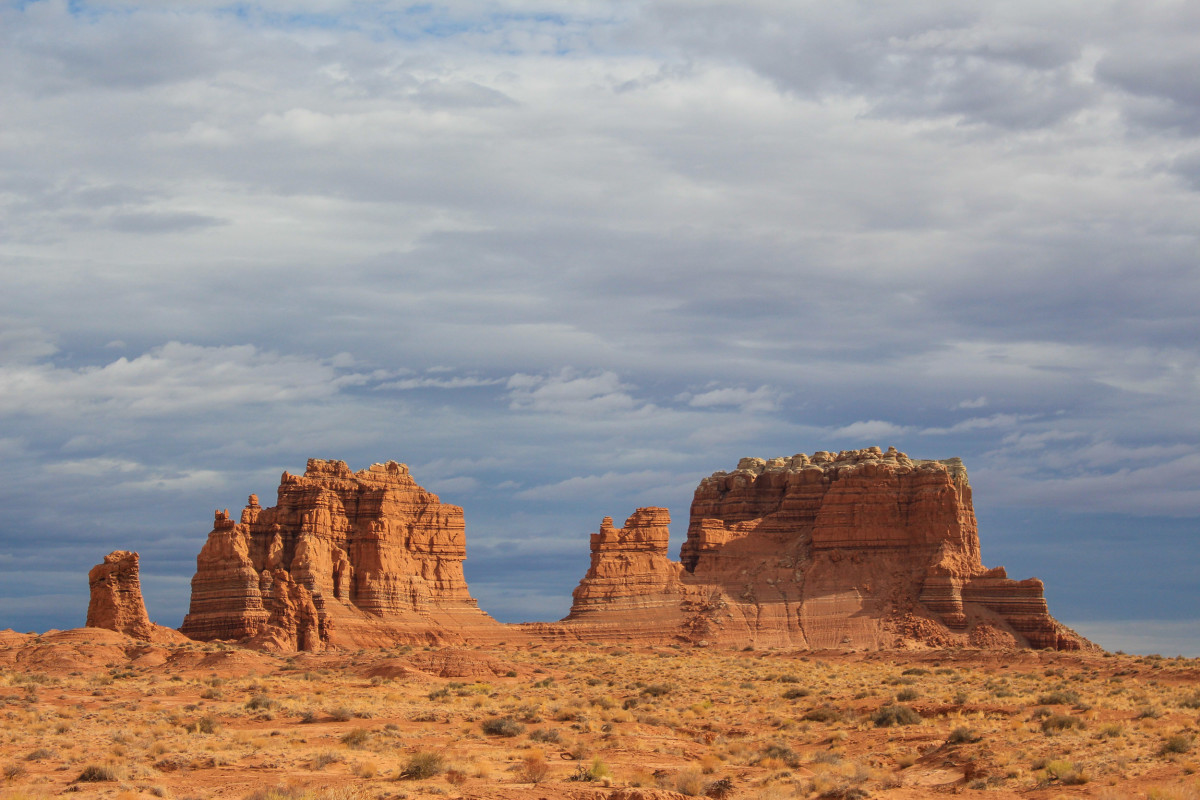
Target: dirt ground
[93, 713]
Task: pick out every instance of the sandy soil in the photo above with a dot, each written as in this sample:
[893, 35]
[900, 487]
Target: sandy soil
[93, 713]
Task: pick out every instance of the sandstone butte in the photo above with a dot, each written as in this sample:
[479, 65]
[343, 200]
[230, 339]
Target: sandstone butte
[116, 602]
[861, 549]
[344, 559]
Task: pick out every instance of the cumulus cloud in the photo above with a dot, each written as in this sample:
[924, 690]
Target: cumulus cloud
[172, 378]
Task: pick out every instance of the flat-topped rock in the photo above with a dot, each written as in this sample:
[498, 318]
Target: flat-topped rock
[862, 548]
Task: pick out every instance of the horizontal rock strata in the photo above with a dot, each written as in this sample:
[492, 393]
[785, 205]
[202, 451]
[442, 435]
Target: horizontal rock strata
[864, 548]
[344, 558]
[116, 596]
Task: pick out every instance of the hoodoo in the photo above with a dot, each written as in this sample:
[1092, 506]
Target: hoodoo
[864, 548]
[116, 597]
[344, 558]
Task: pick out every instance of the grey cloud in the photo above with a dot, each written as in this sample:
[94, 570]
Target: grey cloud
[163, 222]
[565, 262]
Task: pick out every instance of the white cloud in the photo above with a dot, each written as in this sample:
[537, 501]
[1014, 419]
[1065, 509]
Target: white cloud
[869, 430]
[173, 378]
[123, 474]
[762, 399]
[975, 424]
[978, 402]
[569, 392]
[642, 482]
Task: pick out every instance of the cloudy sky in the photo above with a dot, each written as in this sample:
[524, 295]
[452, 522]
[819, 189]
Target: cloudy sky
[565, 259]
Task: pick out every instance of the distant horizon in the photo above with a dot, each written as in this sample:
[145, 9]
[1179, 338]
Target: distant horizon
[1133, 636]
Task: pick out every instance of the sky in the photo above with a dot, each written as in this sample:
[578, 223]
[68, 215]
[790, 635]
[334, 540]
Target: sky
[566, 259]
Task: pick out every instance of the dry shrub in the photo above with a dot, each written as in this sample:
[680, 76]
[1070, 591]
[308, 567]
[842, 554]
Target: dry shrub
[1064, 772]
[423, 764]
[891, 715]
[357, 738]
[534, 768]
[1060, 722]
[689, 781]
[96, 773]
[502, 726]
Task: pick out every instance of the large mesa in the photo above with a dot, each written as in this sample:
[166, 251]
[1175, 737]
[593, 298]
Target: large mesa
[862, 548]
[343, 558]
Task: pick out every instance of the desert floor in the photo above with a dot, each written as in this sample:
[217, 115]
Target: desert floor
[94, 713]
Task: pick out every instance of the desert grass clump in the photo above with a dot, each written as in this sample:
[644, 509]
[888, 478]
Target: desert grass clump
[1056, 723]
[422, 765]
[795, 693]
[595, 771]
[962, 735]
[781, 753]
[357, 738]
[260, 702]
[1059, 697]
[822, 713]
[1063, 772]
[97, 773]
[545, 735]
[502, 726]
[1178, 743]
[892, 714]
[534, 768]
[323, 760]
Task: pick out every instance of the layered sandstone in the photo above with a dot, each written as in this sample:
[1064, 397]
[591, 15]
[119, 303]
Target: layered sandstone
[116, 597]
[344, 558]
[864, 548]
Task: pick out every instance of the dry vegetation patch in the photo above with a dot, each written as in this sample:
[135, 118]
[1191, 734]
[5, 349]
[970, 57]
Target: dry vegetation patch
[589, 723]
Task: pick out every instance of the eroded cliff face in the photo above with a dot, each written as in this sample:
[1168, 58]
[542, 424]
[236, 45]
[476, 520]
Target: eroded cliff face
[344, 558]
[116, 597]
[864, 548]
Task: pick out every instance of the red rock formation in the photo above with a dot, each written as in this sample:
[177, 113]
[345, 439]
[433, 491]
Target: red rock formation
[116, 597]
[344, 559]
[862, 549]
